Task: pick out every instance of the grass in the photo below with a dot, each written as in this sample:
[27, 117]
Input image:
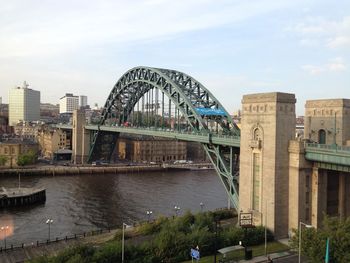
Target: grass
[272, 247]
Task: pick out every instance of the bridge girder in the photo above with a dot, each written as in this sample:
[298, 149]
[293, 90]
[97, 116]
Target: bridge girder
[187, 94]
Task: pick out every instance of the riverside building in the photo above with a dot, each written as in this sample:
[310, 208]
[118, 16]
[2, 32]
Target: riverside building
[24, 104]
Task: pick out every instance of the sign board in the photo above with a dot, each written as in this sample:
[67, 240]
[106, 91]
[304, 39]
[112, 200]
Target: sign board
[194, 253]
[246, 219]
[210, 112]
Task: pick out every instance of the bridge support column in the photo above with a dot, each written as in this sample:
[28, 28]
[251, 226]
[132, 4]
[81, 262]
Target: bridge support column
[80, 138]
[319, 196]
[347, 195]
[300, 172]
[267, 126]
[342, 196]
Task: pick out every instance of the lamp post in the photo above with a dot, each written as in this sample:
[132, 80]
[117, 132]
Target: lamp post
[307, 226]
[123, 238]
[4, 228]
[177, 209]
[149, 214]
[202, 205]
[49, 222]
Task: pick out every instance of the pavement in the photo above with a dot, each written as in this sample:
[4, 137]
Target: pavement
[280, 257]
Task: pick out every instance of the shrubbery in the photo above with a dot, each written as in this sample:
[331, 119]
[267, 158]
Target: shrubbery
[26, 158]
[168, 240]
[314, 240]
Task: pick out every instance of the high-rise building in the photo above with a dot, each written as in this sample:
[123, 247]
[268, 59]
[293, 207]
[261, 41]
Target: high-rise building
[24, 104]
[83, 101]
[0, 100]
[69, 103]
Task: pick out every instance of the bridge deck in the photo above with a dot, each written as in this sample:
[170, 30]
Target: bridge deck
[184, 136]
[332, 157]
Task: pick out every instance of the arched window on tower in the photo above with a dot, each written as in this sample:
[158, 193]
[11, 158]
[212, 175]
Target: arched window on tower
[322, 136]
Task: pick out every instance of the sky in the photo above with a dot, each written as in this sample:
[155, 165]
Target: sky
[232, 47]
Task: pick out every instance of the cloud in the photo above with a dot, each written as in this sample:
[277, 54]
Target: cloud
[339, 41]
[334, 65]
[52, 28]
[317, 30]
[312, 69]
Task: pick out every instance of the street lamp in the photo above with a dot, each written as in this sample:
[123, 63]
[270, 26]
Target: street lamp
[49, 222]
[123, 238]
[177, 208]
[307, 226]
[149, 214]
[4, 228]
[202, 205]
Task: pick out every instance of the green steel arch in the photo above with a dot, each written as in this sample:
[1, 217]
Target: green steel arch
[188, 95]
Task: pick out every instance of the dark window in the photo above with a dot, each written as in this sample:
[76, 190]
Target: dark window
[322, 136]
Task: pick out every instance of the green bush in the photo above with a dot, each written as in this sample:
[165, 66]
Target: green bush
[110, 252]
[26, 158]
[85, 252]
[3, 160]
[166, 240]
[224, 214]
[152, 227]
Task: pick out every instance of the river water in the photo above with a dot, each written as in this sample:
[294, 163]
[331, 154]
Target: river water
[79, 203]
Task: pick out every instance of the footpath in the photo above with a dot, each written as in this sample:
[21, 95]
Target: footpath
[19, 254]
[279, 257]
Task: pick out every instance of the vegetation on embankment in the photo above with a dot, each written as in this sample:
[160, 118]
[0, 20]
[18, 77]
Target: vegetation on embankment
[165, 240]
[314, 241]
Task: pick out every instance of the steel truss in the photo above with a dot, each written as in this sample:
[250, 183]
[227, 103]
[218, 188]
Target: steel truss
[186, 94]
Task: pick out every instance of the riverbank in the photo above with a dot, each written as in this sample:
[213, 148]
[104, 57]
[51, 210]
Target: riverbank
[170, 240]
[110, 169]
[74, 170]
[103, 239]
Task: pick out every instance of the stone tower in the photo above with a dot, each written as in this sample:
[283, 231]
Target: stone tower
[267, 125]
[80, 138]
[327, 121]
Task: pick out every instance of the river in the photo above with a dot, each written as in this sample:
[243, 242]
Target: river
[79, 203]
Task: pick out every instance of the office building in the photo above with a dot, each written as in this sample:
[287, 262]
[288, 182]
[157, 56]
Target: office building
[69, 103]
[24, 104]
[83, 101]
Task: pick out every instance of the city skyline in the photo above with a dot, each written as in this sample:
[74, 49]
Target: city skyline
[231, 47]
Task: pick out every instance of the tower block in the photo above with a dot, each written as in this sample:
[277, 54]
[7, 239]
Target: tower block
[81, 138]
[267, 126]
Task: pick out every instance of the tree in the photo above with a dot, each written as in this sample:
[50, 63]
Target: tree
[26, 158]
[3, 160]
[314, 240]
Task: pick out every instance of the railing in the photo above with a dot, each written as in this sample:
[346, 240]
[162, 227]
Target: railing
[331, 157]
[202, 133]
[39, 243]
[328, 147]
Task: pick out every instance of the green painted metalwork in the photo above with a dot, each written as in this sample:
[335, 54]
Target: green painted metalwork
[223, 140]
[334, 167]
[187, 94]
[334, 155]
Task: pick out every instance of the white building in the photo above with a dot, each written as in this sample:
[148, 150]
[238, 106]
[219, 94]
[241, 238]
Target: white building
[69, 103]
[24, 104]
[83, 101]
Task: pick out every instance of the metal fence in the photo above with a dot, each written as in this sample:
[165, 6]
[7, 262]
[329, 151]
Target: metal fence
[39, 243]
